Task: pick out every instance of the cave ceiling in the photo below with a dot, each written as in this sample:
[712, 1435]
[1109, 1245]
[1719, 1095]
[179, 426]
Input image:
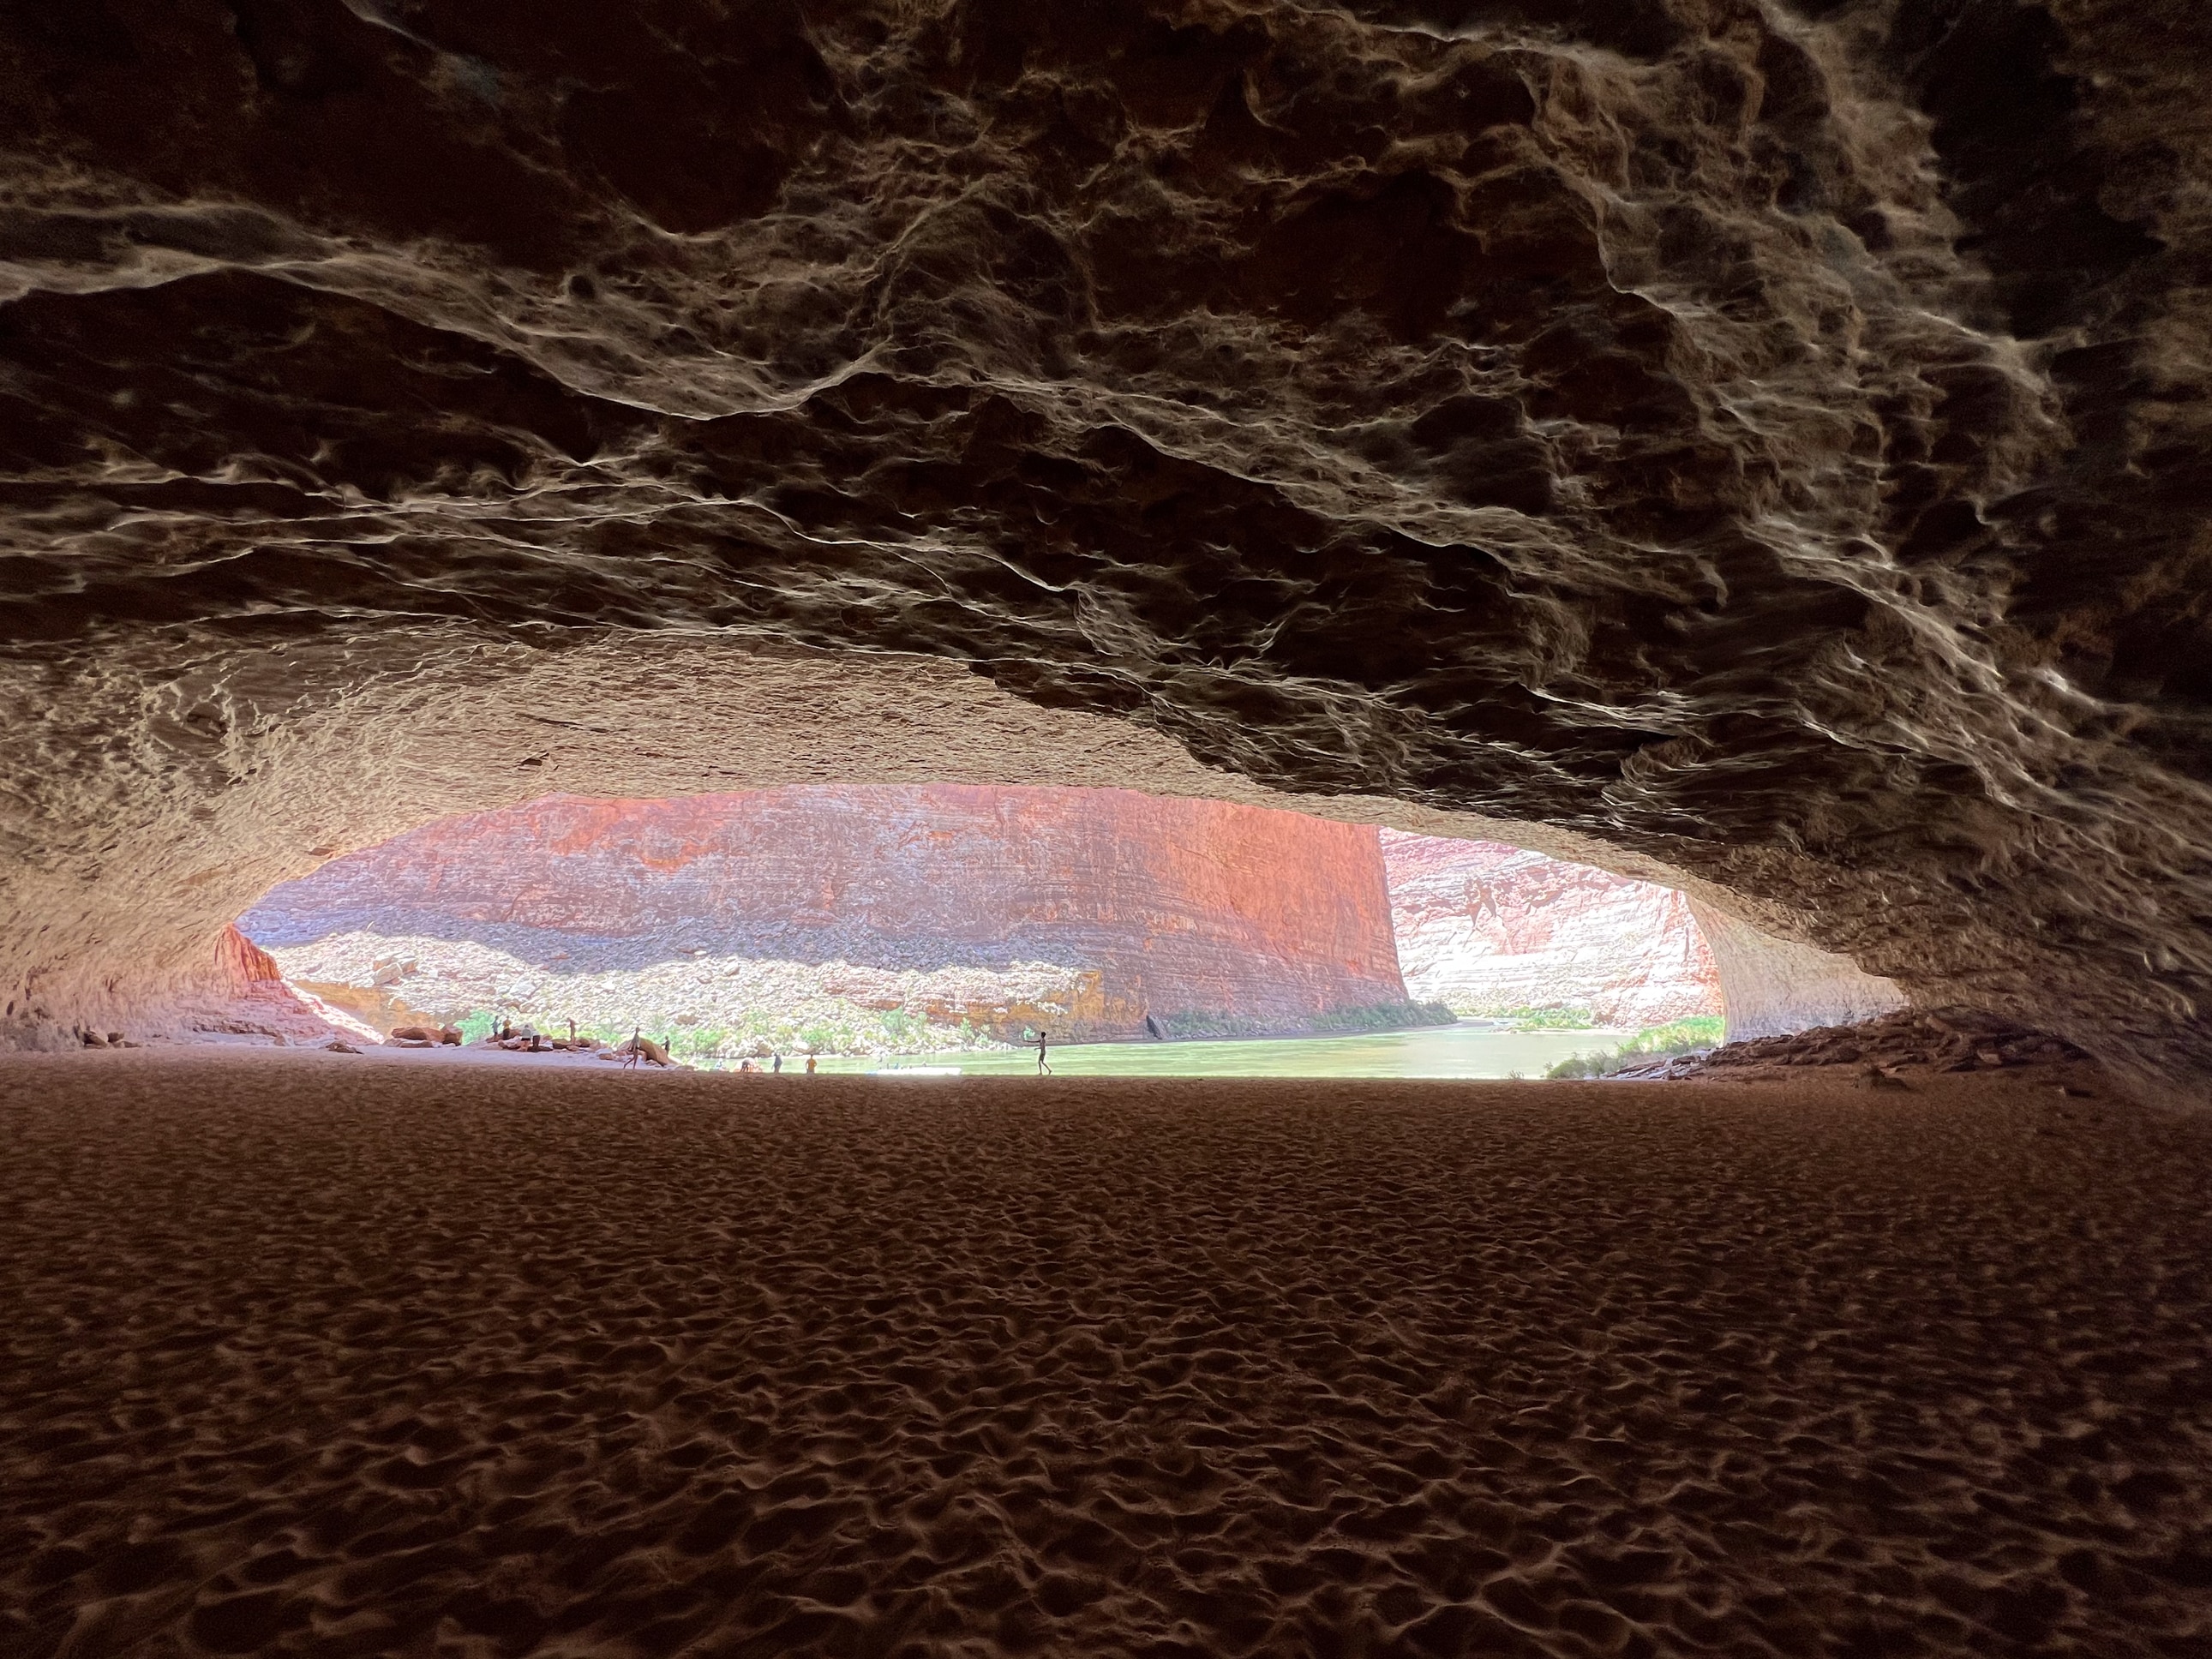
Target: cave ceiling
[1771, 438]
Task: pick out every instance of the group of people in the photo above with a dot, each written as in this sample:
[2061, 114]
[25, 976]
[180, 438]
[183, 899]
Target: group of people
[775, 1060]
[774, 1065]
[638, 1045]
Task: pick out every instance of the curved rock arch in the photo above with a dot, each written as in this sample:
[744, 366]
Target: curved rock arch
[301, 755]
[1769, 442]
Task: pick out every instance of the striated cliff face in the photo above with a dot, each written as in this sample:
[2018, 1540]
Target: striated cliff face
[1765, 443]
[1485, 928]
[1087, 911]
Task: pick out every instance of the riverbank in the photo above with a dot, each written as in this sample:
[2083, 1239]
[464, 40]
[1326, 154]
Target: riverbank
[1468, 1049]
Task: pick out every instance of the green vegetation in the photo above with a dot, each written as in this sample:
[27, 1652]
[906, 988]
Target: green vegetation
[1681, 1037]
[1386, 1017]
[1556, 1017]
[1211, 1025]
[694, 1045]
[850, 1029]
[845, 1029]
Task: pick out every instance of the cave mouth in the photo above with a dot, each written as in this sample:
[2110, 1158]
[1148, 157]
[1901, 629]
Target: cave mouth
[864, 926]
[134, 939]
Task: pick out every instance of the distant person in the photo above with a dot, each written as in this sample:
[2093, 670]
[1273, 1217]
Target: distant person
[745, 1065]
[809, 1066]
[776, 1064]
[1043, 1070]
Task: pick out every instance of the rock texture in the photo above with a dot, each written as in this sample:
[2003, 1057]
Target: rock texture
[1488, 928]
[1088, 912]
[1940, 1039]
[1766, 439]
[1771, 987]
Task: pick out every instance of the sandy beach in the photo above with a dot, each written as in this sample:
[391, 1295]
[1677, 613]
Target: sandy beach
[316, 1354]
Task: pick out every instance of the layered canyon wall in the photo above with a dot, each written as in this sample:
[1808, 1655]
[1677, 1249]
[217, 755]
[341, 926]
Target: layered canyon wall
[1489, 929]
[1088, 912]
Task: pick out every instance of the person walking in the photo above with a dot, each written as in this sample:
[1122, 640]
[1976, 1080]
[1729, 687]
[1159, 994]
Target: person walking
[1043, 1070]
[809, 1066]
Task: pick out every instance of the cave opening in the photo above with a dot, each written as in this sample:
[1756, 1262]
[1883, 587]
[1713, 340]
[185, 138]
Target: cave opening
[1757, 448]
[948, 927]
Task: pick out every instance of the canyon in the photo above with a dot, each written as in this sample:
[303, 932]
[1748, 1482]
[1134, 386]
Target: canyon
[915, 919]
[1488, 928]
[795, 919]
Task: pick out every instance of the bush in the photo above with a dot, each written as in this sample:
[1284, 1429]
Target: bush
[1557, 1017]
[1204, 1025]
[692, 1043]
[1681, 1037]
[1385, 1017]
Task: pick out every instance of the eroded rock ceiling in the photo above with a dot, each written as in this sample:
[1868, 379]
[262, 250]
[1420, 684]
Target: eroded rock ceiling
[1770, 440]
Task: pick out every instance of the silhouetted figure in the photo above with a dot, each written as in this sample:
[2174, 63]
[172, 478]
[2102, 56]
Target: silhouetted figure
[775, 1063]
[636, 1047]
[1043, 1070]
[744, 1065]
[809, 1066]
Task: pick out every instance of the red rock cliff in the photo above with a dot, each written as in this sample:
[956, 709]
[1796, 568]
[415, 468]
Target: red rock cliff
[241, 963]
[1199, 914]
[1486, 927]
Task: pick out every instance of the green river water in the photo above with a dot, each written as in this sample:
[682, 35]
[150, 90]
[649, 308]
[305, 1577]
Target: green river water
[1466, 1050]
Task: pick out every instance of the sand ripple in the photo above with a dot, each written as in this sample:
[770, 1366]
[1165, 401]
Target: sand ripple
[316, 1354]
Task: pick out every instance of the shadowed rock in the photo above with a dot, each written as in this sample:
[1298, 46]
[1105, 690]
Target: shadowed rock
[1766, 440]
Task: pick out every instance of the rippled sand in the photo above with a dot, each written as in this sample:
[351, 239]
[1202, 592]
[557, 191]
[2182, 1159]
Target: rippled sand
[328, 1354]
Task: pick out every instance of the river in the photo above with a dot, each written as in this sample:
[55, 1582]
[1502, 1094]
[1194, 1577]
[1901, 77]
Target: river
[1468, 1049]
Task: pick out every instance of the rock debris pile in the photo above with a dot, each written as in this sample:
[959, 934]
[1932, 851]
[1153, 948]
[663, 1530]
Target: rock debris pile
[1943, 1040]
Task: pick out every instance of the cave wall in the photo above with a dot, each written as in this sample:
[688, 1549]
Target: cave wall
[1770, 987]
[1490, 928]
[1765, 443]
[1201, 915]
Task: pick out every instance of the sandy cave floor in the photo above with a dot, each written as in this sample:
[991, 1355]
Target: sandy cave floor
[307, 1354]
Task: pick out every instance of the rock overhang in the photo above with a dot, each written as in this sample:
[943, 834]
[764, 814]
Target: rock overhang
[1761, 441]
